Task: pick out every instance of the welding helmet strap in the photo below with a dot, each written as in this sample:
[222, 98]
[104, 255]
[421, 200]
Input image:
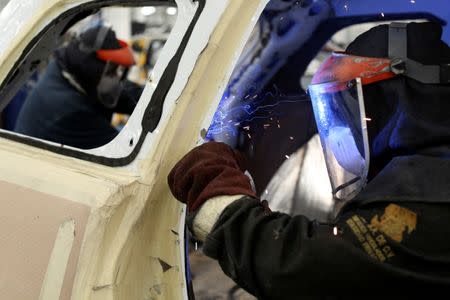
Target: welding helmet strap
[99, 41]
[398, 40]
[402, 65]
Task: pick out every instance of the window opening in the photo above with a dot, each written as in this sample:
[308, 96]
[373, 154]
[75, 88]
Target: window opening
[266, 112]
[56, 102]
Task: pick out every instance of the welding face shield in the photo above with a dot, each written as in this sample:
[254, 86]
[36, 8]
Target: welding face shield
[337, 97]
[341, 122]
[111, 85]
[117, 58]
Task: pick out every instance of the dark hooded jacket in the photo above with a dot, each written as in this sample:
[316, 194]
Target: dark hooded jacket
[66, 111]
[392, 239]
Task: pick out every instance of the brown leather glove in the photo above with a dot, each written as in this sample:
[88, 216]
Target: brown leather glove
[210, 170]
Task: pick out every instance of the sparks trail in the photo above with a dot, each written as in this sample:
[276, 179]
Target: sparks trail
[233, 112]
[274, 105]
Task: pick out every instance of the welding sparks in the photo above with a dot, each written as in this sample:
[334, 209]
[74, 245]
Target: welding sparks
[335, 230]
[234, 111]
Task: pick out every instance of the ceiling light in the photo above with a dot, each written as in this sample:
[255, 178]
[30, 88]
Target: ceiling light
[171, 11]
[148, 10]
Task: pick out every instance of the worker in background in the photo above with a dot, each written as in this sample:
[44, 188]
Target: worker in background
[73, 102]
[382, 109]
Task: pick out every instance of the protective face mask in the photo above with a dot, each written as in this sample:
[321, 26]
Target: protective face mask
[341, 121]
[342, 144]
[110, 86]
[109, 90]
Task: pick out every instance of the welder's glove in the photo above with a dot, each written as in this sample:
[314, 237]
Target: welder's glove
[210, 170]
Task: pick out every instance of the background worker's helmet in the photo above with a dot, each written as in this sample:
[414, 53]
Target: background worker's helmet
[386, 96]
[99, 62]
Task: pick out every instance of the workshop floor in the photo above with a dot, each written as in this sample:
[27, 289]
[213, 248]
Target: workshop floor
[210, 283]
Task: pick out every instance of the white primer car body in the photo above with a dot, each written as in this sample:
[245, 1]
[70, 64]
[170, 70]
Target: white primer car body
[79, 224]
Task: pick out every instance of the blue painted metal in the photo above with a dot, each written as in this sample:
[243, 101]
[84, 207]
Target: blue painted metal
[361, 10]
[12, 110]
[291, 34]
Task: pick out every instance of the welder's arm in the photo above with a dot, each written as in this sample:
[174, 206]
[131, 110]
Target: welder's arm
[263, 252]
[271, 255]
[129, 97]
[276, 256]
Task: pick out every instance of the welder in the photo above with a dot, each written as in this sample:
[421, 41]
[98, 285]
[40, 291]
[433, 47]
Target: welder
[382, 110]
[73, 102]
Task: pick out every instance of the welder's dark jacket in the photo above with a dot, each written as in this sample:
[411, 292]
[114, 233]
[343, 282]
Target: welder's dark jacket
[393, 239]
[56, 111]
